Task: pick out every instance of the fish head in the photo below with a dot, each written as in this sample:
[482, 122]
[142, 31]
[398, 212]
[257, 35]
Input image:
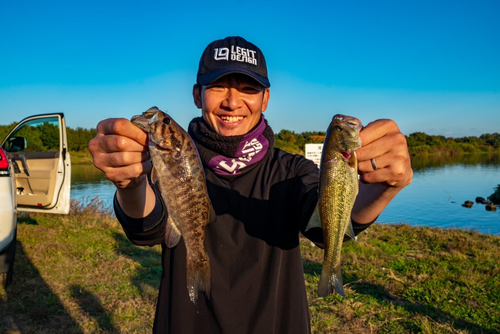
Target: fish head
[163, 131]
[343, 134]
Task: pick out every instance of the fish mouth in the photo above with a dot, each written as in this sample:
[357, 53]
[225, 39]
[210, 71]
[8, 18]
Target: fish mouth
[350, 121]
[348, 149]
[158, 147]
[346, 154]
[166, 150]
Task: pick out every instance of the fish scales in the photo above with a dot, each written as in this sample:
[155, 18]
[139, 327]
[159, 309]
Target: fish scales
[336, 199]
[338, 189]
[179, 176]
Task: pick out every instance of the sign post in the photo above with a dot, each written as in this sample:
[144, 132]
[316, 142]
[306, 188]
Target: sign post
[313, 152]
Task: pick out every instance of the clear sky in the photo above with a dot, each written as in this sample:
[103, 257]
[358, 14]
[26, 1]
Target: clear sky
[432, 66]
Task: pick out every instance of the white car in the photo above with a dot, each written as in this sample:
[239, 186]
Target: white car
[35, 175]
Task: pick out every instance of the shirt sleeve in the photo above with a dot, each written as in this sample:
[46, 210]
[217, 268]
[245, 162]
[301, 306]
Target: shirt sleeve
[316, 234]
[147, 231]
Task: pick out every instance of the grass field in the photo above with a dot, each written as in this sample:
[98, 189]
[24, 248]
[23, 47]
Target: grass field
[81, 157]
[79, 274]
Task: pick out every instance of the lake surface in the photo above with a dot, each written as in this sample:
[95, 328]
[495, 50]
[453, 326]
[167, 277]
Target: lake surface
[441, 184]
[88, 182]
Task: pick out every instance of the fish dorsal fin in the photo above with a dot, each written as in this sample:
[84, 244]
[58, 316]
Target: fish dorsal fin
[314, 221]
[350, 231]
[172, 233]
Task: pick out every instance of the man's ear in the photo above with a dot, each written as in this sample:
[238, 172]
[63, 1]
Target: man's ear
[197, 95]
[265, 99]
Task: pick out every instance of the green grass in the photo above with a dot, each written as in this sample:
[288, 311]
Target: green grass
[79, 274]
[402, 279]
[81, 157]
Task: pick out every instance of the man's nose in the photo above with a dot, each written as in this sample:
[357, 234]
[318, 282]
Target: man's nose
[233, 99]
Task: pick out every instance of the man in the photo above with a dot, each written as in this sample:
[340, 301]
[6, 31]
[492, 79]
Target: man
[263, 197]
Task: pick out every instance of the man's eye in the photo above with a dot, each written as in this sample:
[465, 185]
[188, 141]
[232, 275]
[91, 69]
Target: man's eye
[250, 89]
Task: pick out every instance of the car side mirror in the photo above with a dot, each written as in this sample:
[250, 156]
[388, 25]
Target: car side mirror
[16, 144]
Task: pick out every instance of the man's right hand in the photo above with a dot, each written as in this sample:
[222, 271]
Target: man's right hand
[120, 151]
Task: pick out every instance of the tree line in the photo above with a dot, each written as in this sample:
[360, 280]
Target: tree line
[46, 137]
[290, 141]
[418, 142]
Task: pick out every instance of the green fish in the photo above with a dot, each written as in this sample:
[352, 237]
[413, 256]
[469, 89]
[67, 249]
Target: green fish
[178, 174]
[338, 188]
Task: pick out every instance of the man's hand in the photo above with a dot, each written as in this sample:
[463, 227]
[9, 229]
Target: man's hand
[120, 150]
[383, 141]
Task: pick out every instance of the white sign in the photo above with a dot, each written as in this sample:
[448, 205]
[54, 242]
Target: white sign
[313, 152]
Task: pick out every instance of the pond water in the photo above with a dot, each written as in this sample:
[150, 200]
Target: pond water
[87, 182]
[441, 184]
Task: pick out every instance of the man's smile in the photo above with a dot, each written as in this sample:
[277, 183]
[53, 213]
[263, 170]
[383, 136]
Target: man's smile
[231, 119]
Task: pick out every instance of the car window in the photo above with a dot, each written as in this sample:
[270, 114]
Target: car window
[37, 135]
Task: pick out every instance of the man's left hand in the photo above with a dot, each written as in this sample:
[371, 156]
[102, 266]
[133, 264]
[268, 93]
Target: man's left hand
[383, 141]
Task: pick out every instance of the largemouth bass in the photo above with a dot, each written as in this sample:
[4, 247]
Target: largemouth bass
[178, 173]
[338, 189]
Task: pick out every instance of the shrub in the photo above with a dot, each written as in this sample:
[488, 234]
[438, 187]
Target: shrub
[495, 197]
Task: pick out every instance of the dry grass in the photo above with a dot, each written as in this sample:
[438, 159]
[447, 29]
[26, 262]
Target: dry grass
[79, 274]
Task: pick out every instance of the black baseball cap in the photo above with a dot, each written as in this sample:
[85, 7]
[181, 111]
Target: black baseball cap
[232, 55]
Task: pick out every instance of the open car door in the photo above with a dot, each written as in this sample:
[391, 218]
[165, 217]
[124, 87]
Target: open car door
[38, 150]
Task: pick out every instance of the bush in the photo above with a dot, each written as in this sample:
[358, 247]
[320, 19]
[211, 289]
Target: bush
[495, 197]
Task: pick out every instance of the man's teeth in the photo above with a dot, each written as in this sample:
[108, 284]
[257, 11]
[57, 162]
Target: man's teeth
[231, 119]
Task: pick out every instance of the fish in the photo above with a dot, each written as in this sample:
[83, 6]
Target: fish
[338, 188]
[179, 176]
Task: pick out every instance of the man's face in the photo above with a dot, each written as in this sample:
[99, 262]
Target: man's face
[233, 104]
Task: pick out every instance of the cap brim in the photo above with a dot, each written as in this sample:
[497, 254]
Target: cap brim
[210, 77]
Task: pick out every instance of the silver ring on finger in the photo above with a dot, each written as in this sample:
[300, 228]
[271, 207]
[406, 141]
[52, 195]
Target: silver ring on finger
[374, 164]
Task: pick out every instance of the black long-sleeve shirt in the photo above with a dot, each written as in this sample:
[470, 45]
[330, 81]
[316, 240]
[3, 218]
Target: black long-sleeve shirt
[253, 246]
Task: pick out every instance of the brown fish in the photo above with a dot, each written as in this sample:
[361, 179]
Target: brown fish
[338, 188]
[178, 173]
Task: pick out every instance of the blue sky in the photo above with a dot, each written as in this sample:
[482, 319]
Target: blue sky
[432, 66]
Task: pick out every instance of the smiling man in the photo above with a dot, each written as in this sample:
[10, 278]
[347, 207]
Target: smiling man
[263, 198]
[231, 105]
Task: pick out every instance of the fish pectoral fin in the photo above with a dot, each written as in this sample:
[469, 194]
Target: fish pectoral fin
[172, 234]
[154, 175]
[350, 231]
[314, 221]
[353, 160]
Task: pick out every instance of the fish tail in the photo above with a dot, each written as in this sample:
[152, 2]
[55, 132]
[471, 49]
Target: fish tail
[330, 281]
[198, 279]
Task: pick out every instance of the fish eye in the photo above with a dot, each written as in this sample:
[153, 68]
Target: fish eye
[337, 128]
[166, 120]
